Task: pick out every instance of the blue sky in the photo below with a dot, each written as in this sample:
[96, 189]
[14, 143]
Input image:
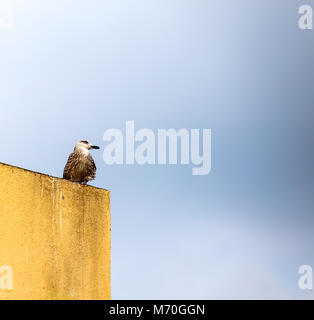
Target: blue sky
[71, 70]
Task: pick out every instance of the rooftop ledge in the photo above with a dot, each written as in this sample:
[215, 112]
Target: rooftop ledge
[55, 237]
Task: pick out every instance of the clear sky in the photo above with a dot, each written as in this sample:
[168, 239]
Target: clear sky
[70, 70]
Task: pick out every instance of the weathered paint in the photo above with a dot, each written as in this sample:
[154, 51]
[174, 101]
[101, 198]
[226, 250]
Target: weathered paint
[55, 235]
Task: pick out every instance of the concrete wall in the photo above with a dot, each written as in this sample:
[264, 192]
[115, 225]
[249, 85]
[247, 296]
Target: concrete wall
[54, 237]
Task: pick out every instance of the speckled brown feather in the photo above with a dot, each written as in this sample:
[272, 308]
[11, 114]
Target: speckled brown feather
[79, 167]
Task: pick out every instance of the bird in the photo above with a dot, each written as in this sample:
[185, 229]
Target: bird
[80, 166]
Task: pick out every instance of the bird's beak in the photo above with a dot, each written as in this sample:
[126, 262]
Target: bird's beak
[94, 147]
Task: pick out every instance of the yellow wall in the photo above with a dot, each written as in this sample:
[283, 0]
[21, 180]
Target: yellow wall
[55, 235]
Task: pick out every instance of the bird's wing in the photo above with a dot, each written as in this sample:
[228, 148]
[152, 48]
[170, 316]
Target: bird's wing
[92, 166]
[71, 163]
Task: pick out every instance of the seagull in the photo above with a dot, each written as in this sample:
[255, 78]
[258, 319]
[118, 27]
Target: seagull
[80, 166]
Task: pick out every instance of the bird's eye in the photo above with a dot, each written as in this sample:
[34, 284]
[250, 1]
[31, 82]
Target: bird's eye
[84, 141]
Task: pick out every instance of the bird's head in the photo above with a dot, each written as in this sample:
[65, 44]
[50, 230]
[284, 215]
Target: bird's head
[85, 145]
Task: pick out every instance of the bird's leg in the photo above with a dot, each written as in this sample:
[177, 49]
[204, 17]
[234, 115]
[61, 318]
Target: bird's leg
[84, 182]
